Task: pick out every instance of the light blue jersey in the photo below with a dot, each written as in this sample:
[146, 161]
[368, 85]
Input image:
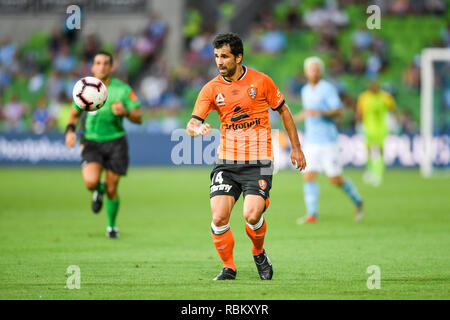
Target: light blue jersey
[323, 97]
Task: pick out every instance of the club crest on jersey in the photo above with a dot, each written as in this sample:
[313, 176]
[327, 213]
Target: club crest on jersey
[220, 99]
[262, 184]
[252, 91]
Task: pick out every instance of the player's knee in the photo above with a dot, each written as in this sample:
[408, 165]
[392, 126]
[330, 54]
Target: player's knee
[111, 191]
[219, 220]
[91, 184]
[220, 214]
[252, 215]
[309, 177]
[336, 181]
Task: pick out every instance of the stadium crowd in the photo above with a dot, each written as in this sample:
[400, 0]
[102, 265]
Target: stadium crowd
[37, 77]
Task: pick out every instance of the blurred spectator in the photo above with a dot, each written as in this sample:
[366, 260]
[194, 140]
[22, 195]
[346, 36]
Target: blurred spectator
[125, 42]
[328, 39]
[337, 64]
[296, 84]
[406, 122]
[55, 41]
[382, 4]
[36, 81]
[40, 117]
[152, 89]
[69, 82]
[411, 76]
[55, 85]
[327, 15]
[357, 65]
[61, 110]
[64, 60]
[144, 45]
[403, 7]
[149, 41]
[379, 47]
[272, 40]
[8, 51]
[156, 28]
[362, 38]
[435, 6]
[5, 78]
[326, 21]
[201, 47]
[373, 66]
[399, 7]
[446, 98]
[193, 23]
[13, 113]
[445, 35]
[91, 46]
[293, 20]
[266, 36]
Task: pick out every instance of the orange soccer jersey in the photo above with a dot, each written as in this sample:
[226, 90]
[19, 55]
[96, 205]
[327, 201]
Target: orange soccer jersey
[243, 107]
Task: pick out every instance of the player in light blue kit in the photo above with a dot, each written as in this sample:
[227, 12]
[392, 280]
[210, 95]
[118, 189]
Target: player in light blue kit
[321, 104]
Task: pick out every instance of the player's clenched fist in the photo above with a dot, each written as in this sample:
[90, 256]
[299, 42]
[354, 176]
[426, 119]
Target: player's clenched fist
[196, 128]
[118, 109]
[204, 129]
[71, 139]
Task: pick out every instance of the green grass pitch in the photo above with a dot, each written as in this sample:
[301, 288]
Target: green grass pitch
[166, 252]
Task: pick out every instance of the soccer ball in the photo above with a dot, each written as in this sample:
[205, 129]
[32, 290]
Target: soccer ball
[89, 94]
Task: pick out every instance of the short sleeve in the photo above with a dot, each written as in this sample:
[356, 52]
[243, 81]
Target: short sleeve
[273, 94]
[332, 99]
[130, 100]
[203, 105]
[74, 105]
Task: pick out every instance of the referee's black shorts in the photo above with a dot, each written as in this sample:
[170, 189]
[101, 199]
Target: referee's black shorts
[112, 155]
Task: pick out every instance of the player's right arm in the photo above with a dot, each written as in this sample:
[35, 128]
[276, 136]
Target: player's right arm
[71, 136]
[297, 156]
[202, 108]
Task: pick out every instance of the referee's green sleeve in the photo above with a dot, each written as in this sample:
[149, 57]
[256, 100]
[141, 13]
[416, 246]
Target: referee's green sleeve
[74, 105]
[131, 101]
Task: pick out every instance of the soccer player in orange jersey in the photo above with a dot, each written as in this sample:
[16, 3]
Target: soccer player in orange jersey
[242, 97]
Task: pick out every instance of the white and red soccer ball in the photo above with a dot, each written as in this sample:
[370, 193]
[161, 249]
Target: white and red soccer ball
[89, 94]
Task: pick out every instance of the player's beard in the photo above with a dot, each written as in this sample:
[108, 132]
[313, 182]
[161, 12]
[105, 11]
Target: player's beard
[229, 72]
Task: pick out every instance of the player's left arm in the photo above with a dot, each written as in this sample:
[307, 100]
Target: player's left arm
[277, 103]
[297, 157]
[128, 107]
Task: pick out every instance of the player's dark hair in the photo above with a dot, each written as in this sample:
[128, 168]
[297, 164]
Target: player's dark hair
[232, 39]
[105, 53]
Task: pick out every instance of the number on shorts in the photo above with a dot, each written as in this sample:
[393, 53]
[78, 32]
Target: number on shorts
[219, 178]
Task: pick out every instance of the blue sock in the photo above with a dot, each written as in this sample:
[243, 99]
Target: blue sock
[311, 196]
[350, 189]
